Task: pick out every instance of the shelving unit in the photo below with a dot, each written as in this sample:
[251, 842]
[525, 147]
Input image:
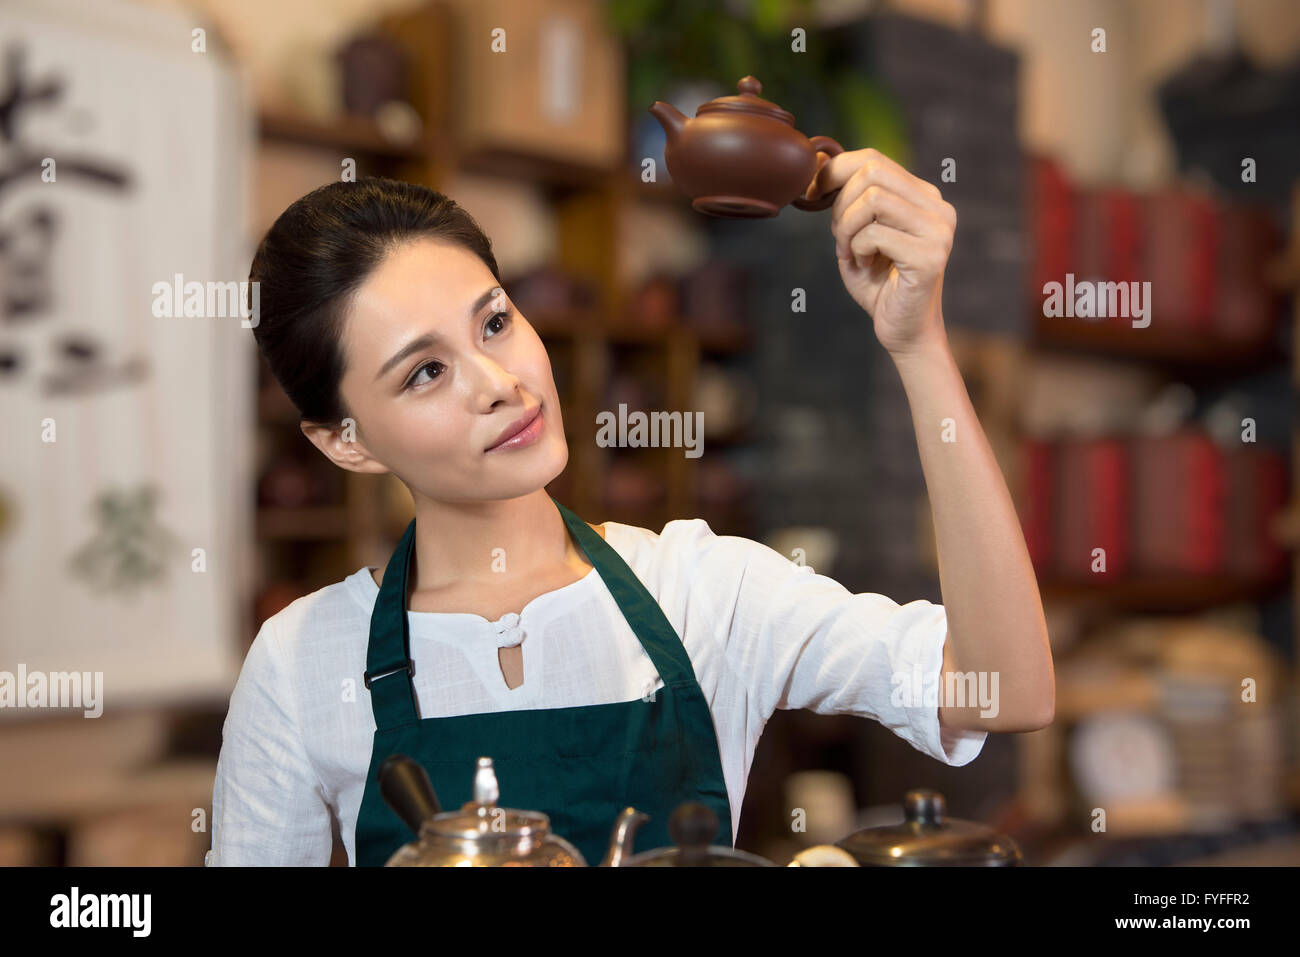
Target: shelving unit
[1121, 340]
[1162, 594]
[1043, 755]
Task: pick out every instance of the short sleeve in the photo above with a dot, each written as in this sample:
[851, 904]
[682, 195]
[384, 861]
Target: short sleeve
[268, 807]
[799, 639]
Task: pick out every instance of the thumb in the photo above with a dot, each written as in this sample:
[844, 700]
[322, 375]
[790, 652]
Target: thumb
[820, 180]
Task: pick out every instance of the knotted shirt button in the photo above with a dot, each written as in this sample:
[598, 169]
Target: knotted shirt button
[508, 631]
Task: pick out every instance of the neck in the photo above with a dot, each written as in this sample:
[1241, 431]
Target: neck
[492, 542]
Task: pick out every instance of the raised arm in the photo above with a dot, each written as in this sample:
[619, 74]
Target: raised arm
[893, 232]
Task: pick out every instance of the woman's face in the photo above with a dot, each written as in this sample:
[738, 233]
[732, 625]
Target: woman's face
[439, 364]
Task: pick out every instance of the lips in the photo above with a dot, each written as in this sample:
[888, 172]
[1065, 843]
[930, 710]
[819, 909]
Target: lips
[516, 427]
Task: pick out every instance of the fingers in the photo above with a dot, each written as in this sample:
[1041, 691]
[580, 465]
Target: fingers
[892, 177]
[827, 177]
[832, 171]
[905, 249]
[880, 159]
[881, 192]
[878, 204]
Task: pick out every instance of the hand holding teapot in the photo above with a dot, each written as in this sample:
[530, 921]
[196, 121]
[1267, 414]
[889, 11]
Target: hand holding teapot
[893, 233]
[741, 157]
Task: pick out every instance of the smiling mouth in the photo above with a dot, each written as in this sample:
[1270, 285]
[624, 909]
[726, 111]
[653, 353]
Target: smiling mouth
[517, 429]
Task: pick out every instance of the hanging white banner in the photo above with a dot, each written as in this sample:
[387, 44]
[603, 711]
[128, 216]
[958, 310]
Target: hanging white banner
[125, 513]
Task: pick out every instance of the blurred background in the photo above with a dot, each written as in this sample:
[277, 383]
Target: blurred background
[1154, 468]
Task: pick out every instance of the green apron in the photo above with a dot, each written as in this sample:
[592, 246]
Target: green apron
[580, 765]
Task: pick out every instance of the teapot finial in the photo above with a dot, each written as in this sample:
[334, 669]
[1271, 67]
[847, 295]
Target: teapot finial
[750, 84]
[486, 789]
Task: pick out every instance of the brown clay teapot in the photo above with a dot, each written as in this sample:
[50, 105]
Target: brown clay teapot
[741, 157]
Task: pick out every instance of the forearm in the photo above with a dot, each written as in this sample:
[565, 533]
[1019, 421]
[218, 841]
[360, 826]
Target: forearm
[995, 615]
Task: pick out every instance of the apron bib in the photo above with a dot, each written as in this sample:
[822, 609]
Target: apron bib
[579, 765]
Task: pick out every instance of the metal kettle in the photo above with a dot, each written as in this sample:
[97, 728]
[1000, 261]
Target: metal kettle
[693, 827]
[480, 834]
[929, 838]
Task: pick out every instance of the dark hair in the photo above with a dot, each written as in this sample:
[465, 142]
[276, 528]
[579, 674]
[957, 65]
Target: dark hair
[311, 261]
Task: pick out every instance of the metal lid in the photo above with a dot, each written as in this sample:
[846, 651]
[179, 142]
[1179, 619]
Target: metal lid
[482, 819]
[693, 826]
[747, 102]
[928, 837]
[702, 857]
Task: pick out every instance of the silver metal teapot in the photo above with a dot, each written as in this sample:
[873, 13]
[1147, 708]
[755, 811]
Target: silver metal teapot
[693, 827]
[929, 838]
[480, 834]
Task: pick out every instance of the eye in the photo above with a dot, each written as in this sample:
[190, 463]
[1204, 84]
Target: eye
[505, 321]
[416, 375]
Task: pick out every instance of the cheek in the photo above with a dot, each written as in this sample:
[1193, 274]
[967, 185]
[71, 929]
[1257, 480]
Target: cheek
[429, 432]
[413, 432]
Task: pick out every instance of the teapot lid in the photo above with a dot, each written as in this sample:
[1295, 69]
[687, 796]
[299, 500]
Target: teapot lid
[748, 101]
[481, 818]
[693, 827]
[929, 837]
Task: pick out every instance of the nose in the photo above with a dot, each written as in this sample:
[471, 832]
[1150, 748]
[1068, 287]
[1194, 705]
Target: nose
[493, 382]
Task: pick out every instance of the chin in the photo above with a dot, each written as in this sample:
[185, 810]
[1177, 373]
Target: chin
[524, 478]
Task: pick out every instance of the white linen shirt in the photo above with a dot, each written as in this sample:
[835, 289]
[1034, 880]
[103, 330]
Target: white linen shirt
[761, 631]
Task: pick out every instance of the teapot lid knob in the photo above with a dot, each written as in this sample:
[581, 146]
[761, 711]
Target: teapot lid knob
[925, 806]
[750, 84]
[486, 790]
[693, 825]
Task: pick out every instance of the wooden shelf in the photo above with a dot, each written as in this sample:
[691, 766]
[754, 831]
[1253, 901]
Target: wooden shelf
[541, 170]
[346, 133]
[1161, 593]
[1119, 339]
[99, 792]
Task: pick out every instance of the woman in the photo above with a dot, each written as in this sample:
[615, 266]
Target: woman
[598, 665]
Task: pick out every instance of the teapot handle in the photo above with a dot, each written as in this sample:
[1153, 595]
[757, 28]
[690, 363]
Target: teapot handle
[822, 144]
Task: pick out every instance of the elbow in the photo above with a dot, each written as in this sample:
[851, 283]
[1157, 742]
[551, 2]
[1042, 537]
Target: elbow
[1044, 716]
[1041, 710]
[1027, 717]
[1039, 717]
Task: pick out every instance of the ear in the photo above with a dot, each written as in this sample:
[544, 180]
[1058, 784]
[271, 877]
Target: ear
[341, 445]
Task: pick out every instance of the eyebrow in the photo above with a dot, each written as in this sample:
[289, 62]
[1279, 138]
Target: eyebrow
[432, 338]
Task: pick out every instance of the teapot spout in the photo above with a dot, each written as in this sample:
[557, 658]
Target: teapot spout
[670, 118]
[620, 841]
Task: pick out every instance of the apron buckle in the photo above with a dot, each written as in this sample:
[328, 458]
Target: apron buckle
[409, 668]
